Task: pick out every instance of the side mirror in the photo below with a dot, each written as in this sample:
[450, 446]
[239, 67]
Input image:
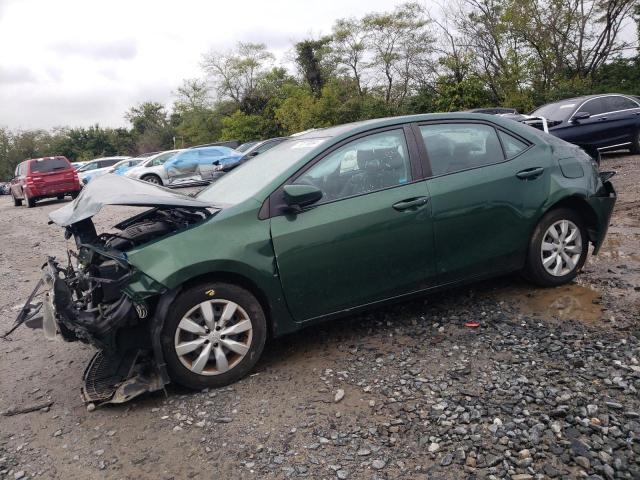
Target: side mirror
[299, 196]
[580, 116]
[253, 154]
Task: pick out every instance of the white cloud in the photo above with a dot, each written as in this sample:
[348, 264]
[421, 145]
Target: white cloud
[81, 62]
[78, 62]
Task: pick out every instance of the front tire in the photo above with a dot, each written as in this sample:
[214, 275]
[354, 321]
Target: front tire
[155, 179]
[213, 335]
[557, 249]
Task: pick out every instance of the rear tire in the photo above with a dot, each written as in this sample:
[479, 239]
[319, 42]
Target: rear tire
[60, 197]
[30, 201]
[74, 195]
[16, 202]
[558, 248]
[213, 335]
[635, 143]
[151, 178]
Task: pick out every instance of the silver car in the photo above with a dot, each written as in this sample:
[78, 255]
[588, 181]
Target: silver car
[152, 169]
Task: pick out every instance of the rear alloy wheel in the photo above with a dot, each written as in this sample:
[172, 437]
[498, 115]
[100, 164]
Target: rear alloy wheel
[152, 179]
[558, 248]
[16, 202]
[213, 335]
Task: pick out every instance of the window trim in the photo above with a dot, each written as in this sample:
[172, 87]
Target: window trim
[605, 113]
[274, 206]
[427, 160]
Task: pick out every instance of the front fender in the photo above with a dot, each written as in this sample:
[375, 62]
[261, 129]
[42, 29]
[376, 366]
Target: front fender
[231, 244]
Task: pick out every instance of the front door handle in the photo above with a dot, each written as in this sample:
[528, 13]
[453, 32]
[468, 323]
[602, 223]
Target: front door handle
[411, 203]
[530, 173]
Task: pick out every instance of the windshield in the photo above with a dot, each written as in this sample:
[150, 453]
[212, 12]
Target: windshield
[88, 166]
[245, 181]
[557, 111]
[245, 146]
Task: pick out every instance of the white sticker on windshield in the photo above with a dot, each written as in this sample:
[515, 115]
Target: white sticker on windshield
[307, 143]
[568, 105]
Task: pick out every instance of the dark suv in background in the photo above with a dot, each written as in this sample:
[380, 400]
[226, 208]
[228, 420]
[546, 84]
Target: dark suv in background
[596, 122]
[45, 177]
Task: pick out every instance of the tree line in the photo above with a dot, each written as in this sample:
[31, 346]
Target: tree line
[469, 54]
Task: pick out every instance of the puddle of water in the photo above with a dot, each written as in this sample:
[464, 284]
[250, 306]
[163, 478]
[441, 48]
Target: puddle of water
[569, 302]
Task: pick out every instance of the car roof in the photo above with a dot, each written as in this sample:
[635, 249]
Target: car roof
[584, 98]
[349, 129]
[46, 158]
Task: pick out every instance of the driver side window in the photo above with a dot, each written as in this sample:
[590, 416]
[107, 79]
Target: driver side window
[365, 165]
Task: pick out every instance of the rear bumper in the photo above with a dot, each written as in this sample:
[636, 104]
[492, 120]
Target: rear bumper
[602, 204]
[52, 190]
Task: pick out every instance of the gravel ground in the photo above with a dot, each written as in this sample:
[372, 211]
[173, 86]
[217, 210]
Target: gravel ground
[546, 387]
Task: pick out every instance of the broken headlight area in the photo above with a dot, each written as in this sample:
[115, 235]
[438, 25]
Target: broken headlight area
[97, 297]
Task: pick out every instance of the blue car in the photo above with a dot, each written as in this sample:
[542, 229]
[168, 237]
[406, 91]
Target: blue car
[595, 122]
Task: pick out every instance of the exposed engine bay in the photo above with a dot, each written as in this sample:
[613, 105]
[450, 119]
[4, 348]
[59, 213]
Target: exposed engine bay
[89, 297]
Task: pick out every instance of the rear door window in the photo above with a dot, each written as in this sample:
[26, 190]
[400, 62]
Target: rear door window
[47, 165]
[617, 102]
[453, 147]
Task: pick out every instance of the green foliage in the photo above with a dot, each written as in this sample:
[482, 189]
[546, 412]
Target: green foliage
[242, 127]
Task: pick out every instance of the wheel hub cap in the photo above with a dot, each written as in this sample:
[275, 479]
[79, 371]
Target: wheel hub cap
[213, 337]
[561, 248]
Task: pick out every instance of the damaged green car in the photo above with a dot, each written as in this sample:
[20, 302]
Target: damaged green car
[323, 225]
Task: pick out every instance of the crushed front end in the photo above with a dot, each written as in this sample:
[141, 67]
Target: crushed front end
[97, 297]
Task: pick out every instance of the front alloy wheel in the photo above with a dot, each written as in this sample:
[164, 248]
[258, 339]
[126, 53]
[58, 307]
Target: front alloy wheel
[213, 335]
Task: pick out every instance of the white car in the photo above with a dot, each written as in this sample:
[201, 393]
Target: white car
[152, 170]
[97, 167]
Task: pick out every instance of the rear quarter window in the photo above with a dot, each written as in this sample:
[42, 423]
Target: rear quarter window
[46, 165]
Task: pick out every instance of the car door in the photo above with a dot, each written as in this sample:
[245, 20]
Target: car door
[487, 186]
[586, 132]
[369, 238]
[620, 121]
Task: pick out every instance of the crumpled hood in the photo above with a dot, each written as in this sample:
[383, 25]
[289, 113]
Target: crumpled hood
[110, 189]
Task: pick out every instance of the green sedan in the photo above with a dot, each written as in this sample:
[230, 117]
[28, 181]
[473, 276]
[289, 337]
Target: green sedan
[325, 224]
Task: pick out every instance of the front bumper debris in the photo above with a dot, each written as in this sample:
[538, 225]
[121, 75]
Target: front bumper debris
[119, 371]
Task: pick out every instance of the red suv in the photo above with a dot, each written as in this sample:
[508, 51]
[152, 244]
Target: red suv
[44, 177]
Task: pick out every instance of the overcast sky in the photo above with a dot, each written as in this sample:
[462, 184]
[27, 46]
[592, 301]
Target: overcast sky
[81, 62]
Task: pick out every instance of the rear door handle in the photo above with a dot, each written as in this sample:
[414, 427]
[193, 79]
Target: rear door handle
[530, 173]
[411, 203]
